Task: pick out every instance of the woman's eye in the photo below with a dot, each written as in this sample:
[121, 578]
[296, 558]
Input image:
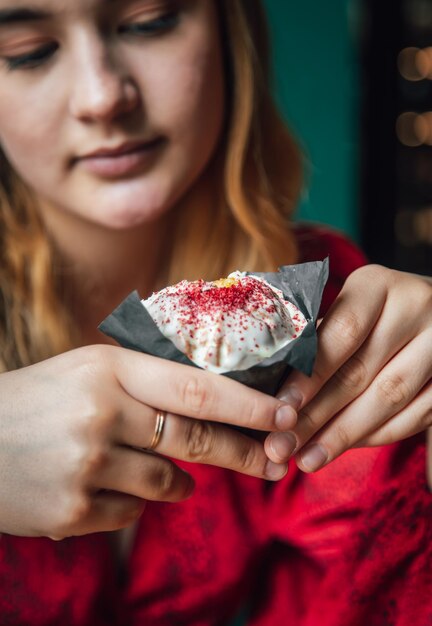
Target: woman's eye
[155, 26]
[32, 59]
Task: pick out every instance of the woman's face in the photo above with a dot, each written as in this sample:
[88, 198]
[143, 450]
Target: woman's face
[110, 109]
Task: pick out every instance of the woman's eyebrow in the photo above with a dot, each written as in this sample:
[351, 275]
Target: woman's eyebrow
[27, 14]
[13, 16]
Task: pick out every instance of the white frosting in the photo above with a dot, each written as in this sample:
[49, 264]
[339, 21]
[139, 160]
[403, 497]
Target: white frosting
[226, 325]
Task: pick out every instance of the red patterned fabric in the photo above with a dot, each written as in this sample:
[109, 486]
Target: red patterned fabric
[348, 546]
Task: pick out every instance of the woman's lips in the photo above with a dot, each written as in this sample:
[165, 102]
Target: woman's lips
[122, 161]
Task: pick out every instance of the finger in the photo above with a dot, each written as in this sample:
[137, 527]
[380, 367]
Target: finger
[350, 380]
[136, 424]
[391, 391]
[142, 474]
[341, 333]
[197, 441]
[193, 392]
[413, 419]
[102, 512]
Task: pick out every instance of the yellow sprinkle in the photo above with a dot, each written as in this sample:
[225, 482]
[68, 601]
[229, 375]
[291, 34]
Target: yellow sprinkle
[225, 282]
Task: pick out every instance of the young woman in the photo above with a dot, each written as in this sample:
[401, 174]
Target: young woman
[140, 146]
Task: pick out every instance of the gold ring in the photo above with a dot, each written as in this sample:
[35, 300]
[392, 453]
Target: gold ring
[160, 421]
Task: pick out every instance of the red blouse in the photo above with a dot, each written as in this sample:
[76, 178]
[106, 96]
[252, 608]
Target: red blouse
[348, 546]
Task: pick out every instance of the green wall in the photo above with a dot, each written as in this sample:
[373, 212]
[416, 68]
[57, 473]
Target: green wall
[317, 87]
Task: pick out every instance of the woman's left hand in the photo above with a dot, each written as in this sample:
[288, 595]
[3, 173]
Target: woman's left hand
[372, 380]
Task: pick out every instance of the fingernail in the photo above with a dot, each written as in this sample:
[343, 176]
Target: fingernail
[282, 445]
[292, 396]
[275, 471]
[313, 456]
[286, 417]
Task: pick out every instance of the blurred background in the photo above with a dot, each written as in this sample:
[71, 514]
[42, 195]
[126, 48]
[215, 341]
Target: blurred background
[354, 81]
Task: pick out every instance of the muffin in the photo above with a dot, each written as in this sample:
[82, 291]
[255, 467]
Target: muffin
[229, 324]
[250, 327]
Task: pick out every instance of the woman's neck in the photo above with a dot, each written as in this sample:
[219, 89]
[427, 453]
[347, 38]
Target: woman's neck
[101, 266]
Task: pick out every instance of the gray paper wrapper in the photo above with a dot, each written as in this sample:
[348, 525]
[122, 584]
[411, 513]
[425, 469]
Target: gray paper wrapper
[132, 326]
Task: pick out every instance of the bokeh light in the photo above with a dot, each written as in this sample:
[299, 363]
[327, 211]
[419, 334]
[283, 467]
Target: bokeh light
[414, 129]
[415, 64]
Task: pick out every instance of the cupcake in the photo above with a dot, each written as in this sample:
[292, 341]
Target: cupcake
[229, 324]
[250, 327]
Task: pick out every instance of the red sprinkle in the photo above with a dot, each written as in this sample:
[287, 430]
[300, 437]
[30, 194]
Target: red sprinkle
[197, 299]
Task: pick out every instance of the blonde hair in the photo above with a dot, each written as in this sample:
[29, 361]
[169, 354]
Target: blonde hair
[246, 227]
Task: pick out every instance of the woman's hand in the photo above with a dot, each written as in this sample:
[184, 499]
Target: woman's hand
[371, 383]
[70, 428]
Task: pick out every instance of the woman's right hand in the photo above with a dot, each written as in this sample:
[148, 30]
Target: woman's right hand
[70, 427]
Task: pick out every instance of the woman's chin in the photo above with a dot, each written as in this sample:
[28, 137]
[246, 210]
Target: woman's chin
[127, 219]
[128, 208]
[118, 210]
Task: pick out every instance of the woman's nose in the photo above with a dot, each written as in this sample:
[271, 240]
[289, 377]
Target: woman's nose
[101, 91]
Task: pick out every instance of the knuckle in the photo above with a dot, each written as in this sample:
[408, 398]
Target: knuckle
[196, 395]
[320, 373]
[392, 390]
[79, 511]
[105, 420]
[96, 418]
[260, 413]
[373, 273]
[342, 436]
[163, 480]
[95, 354]
[346, 328]
[95, 461]
[253, 412]
[200, 440]
[352, 374]
[89, 361]
[308, 422]
[249, 461]
[73, 459]
[90, 354]
[72, 515]
[87, 415]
